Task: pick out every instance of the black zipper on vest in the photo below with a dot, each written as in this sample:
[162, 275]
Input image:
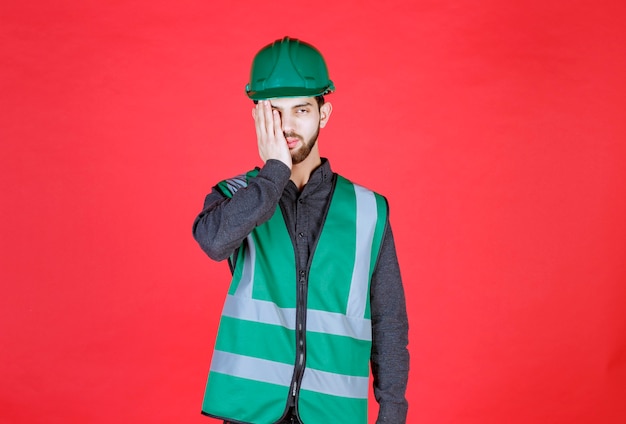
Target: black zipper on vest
[300, 336]
[301, 308]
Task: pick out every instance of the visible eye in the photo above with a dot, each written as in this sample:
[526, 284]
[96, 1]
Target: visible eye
[302, 110]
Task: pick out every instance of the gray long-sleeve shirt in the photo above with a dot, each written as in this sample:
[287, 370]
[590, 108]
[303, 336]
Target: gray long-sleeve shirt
[225, 222]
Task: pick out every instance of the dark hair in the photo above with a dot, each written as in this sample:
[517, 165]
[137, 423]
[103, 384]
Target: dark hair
[319, 99]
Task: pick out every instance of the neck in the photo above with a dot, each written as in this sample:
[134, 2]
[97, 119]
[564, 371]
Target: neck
[301, 172]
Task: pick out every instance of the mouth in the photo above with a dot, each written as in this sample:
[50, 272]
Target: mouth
[292, 141]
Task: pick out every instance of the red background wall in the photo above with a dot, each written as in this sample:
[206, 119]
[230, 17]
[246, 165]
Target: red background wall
[496, 129]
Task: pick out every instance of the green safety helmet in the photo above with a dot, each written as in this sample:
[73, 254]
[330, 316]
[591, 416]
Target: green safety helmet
[288, 68]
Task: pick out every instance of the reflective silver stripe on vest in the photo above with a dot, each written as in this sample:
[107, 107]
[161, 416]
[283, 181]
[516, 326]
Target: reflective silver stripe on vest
[236, 183]
[319, 321]
[259, 311]
[247, 273]
[366, 215]
[278, 373]
[252, 368]
[335, 384]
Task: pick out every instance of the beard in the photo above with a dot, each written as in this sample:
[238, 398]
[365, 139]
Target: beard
[303, 152]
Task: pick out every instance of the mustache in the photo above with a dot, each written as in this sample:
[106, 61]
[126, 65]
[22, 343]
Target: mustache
[292, 135]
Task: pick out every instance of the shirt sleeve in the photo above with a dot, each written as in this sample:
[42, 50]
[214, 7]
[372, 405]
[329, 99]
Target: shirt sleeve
[390, 356]
[225, 222]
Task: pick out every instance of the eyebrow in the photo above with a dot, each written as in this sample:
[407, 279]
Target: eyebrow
[307, 104]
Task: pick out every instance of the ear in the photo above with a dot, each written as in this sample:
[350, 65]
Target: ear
[325, 112]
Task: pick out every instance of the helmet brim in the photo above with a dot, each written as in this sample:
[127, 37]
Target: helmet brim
[277, 92]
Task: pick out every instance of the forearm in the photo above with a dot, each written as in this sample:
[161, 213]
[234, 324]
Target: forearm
[225, 222]
[390, 357]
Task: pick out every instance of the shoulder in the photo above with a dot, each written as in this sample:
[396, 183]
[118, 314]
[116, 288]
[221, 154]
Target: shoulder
[229, 186]
[358, 188]
[365, 198]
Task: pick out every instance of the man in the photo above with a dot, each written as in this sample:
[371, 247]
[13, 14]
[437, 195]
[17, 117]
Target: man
[316, 292]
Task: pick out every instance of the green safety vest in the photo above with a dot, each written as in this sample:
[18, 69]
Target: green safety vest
[252, 369]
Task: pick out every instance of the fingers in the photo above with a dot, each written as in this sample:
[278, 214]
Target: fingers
[259, 121]
[268, 119]
[278, 126]
[264, 120]
[270, 138]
